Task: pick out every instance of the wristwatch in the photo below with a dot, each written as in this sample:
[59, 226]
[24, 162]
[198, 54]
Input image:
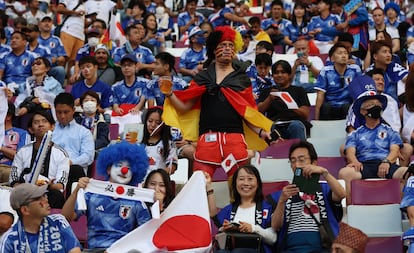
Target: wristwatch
[385, 160]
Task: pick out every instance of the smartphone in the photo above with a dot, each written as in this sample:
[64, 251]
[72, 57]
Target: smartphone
[274, 136]
[234, 224]
[300, 54]
[306, 185]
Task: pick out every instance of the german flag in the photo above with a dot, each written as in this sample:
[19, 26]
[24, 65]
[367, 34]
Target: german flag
[237, 89]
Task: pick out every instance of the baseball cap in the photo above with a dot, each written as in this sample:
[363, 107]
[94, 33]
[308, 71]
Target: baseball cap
[22, 193]
[196, 31]
[101, 47]
[47, 16]
[129, 57]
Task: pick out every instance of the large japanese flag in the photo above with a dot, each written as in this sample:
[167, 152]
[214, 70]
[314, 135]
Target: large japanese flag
[183, 227]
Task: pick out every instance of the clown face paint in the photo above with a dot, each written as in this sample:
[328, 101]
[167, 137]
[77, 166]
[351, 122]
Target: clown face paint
[120, 172]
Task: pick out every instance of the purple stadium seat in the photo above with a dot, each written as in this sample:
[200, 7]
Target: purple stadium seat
[219, 175]
[375, 192]
[113, 131]
[278, 150]
[270, 187]
[384, 245]
[80, 229]
[333, 164]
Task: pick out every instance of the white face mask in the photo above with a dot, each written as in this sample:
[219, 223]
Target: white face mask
[93, 42]
[121, 173]
[89, 107]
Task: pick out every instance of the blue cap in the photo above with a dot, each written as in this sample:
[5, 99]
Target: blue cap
[392, 5]
[129, 57]
[361, 89]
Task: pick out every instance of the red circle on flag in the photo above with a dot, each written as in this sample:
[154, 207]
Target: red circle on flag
[286, 97]
[120, 190]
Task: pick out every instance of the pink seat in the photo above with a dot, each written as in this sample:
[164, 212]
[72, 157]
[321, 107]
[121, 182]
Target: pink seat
[278, 150]
[333, 164]
[113, 131]
[375, 192]
[219, 175]
[270, 187]
[180, 44]
[80, 228]
[384, 245]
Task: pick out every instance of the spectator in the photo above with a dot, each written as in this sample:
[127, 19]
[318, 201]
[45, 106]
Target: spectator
[379, 20]
[192, 59]
[347, 40]
[103, 8]
[107, 71]
[248, 209]
[393, 72]
[110, 217]
[33, 15]
[4, 48]
[150, 6]
[299, 26]
[72, 32]
[333, 100]
[224, 15]
[14, 9]
[392, 11]
[349, 240]
[160, 182]
[89, 68]
[132, 46]
[153, 36]
[135, 12]
[75, 139]
[164, 67]
[408, 111]
[54, 44]
[92, 120]
[219, 131]
[39, 87]
[276, 24]
[291, 123]
[129, 94]
[263, 80]
[36, 229]
[6, 221]
[294, 215]
[261, 47]
[15, 66]
[248, 50]
[322, 27]
[256, 31]
[372, 149]
[306, 68]
[207, 27]
[190, 18]
[55, 169]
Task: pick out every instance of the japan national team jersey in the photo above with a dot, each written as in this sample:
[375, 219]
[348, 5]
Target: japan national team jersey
[55, 236]
[155, 154]
[143, 54]
[327, 25]
[373, 144]
[282, 24]
[54, 44]
[17, 67]
[104, 91]
[336, 86]
[129, 95]
[109, 219]
[154, 92]
[294, 32]
[190, 59]
[41, 51]
[218, 19]
[184, 18]
[14, 139]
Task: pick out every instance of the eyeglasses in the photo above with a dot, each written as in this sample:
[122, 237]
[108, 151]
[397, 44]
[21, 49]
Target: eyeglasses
[300, 159]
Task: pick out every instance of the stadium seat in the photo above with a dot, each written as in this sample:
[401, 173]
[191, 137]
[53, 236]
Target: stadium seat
[278, 150]
[221, 193]
[270, 187]
[219, 175]
[375, 192]
[327, 147]
[333, 164]
[113, 132]
[273, 170]
[181, 174]
[384, 245]
[328, 128]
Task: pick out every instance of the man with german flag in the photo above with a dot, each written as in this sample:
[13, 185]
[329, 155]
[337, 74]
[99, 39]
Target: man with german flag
[218, 109]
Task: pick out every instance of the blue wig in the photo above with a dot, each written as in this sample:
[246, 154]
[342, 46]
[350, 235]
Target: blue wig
[124, 151]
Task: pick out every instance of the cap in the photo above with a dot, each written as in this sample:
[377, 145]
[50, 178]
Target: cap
[101, 47]
[47, 16]
[92, 31]
[352, 237]
[361, 89]
[30, 28]
[129, 57]
[392, 5]
[24, 192]
[196, 31]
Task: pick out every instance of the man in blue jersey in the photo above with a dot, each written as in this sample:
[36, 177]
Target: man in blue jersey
[373, 148]
[110, 216]
[89, 67]
[164, 64]
[276, 24]
[37, 230]
[190, 18]
[224, 15]
[333, 99]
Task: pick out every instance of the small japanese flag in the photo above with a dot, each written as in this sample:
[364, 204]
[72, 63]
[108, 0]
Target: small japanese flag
[228, 163]
[287, 98]
[183, 227]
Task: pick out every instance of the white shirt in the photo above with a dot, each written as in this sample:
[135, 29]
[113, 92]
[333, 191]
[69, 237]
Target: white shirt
[74, 25]
[102, 7]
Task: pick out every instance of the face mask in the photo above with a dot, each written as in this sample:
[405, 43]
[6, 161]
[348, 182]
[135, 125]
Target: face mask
[374, 112]
[121, 173]
[93, 42]
[201, 40]
[89, 107]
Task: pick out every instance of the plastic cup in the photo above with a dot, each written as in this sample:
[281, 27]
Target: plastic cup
[133, 135]
[165, 84]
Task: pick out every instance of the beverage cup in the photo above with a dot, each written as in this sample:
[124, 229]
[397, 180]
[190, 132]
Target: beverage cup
[165, 84]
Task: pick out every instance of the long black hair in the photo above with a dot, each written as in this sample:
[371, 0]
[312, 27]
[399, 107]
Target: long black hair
[252, 170]
[165, 131]
[169, 192]
[305, 16]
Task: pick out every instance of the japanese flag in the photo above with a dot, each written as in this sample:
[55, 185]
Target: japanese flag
[287, 98]
[183, 227]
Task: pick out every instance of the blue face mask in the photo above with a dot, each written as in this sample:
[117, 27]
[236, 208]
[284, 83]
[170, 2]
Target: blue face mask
[201, 40]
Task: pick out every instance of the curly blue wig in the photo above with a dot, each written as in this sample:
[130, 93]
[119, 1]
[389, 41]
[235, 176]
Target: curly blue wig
[124, 151]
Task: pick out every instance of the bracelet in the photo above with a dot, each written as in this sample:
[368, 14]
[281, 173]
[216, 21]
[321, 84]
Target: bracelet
[169, 95]
[385, 160]
[209, 192]
[325, 173]
[260, 133]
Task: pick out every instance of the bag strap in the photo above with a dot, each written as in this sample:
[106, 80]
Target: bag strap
[67, 17]
[258, 213]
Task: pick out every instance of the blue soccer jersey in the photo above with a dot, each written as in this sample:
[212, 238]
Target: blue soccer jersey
[282, 24]
[155, 93]
[394, 73]
[294, 32]
[109, 219]
[41, 51]
[17, 67]
[327, 26]
[14, 138]
[103, 89]
[83, 51]
[335, 86]
[184, 18]
[373, 144]
[190, 58]
[124, 94]
[54, 44]
[4, 49]
[55, 236]
[259, 83]
[218, 19]
[143, 54]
